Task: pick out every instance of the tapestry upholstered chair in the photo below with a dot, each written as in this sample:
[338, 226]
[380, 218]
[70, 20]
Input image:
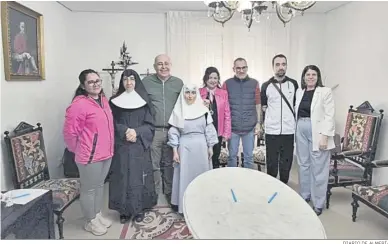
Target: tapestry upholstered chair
[27, 155]
[375, 197]
[353, 164]
[224, 154]
[259, 154]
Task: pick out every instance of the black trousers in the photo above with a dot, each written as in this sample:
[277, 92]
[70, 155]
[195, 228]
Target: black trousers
[216, 153]
[279, 154]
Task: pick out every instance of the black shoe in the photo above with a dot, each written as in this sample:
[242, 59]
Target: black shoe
[174, 207]
[124, 218]
[318, 211]
[307, 200]
[139, 217]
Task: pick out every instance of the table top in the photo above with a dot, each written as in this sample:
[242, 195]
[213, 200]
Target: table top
[24, 218]
[233, 203]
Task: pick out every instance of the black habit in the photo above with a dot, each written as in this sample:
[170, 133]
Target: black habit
[132, 188]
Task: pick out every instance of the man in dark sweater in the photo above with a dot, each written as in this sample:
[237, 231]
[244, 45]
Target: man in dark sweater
[245, 109]
[163, 89]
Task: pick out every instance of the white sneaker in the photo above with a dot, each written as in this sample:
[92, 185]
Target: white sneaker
[105, 222]
[95, 227]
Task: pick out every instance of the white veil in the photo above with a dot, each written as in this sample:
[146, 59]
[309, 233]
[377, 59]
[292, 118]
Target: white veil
[183, 111]
[129, 100]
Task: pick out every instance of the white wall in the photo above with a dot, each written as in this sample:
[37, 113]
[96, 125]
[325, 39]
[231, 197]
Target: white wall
[307, 43]
[356, 55]
[41, 101]
[97, 38]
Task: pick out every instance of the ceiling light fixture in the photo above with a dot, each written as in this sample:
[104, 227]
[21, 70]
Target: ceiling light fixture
[223, 11]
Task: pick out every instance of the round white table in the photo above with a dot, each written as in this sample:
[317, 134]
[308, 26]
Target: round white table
[212, 212]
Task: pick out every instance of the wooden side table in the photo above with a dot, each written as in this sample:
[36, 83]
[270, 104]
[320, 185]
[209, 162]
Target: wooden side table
[34, 220]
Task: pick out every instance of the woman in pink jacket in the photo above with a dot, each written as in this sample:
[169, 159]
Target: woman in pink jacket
[89, 134]
[218, 104]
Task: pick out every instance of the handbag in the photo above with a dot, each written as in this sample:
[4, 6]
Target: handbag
[285, 99]
[69, 165]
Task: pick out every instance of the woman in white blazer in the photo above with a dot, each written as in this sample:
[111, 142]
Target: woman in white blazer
[314, 136]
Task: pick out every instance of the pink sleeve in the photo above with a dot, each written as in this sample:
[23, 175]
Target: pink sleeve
[74, 124]
[227, 118]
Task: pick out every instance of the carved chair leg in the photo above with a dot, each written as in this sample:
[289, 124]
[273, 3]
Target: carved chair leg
[328, 194]
[60, 221]
[355, 206]
[258, 165]
[242, 160]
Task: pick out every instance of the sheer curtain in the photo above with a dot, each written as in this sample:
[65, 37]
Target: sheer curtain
[195, 41]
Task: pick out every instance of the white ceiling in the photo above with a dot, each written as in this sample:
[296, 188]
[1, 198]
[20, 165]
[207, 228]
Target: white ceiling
[164, 6]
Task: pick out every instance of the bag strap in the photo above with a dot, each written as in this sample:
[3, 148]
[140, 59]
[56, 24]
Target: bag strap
[285, 99]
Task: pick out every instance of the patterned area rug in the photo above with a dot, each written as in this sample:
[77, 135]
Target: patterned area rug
[159, 223]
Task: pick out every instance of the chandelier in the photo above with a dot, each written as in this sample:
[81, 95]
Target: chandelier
[223, 11]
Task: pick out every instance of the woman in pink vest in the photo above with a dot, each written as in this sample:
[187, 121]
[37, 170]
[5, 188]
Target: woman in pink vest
[89, 134]
[218, 104]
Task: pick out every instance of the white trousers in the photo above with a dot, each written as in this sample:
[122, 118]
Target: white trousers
[314, 166]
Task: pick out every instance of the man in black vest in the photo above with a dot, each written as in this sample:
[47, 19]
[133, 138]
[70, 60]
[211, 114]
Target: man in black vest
[279, 119]
[244, 100]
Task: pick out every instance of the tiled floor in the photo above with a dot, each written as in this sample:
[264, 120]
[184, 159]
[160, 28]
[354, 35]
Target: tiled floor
[337, 220]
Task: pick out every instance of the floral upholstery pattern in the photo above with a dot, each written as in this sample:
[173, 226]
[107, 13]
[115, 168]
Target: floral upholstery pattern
[259, 154]
[29, 155]
[347, 171]
[64, 191]
[224, 154]
[377, 195]
[30, 159]
[359, 131]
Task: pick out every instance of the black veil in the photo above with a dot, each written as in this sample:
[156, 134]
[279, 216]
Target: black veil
[139, 87]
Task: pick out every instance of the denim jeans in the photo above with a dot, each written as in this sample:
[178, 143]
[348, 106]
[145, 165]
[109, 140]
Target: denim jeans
[248, 143]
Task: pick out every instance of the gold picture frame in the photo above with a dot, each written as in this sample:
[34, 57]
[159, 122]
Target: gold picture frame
[23, 42]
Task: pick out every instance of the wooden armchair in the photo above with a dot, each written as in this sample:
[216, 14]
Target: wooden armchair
[375, 197]
[27, 156]
[353, 164]
[224, 154]
[259, 154]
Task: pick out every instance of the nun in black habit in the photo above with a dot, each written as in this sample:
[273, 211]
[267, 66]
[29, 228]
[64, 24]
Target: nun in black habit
[132, 188]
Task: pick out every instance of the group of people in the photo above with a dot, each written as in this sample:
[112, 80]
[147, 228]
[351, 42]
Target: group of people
[156, 135]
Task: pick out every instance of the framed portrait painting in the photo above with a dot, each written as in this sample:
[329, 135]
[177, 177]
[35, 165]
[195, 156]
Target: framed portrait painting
[23, 45]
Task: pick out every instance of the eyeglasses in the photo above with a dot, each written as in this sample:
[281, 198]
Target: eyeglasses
[242, 68]
[94, 82]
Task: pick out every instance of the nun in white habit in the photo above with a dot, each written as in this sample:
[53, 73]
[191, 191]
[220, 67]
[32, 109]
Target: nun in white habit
[192, 136]
[132, 188]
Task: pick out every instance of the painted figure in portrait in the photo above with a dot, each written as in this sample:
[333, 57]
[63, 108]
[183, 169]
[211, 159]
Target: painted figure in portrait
[22, 42]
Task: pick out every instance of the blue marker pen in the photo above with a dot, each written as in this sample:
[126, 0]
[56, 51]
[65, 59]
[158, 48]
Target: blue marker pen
[234, 196]
[273, 196]
[23, 195]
